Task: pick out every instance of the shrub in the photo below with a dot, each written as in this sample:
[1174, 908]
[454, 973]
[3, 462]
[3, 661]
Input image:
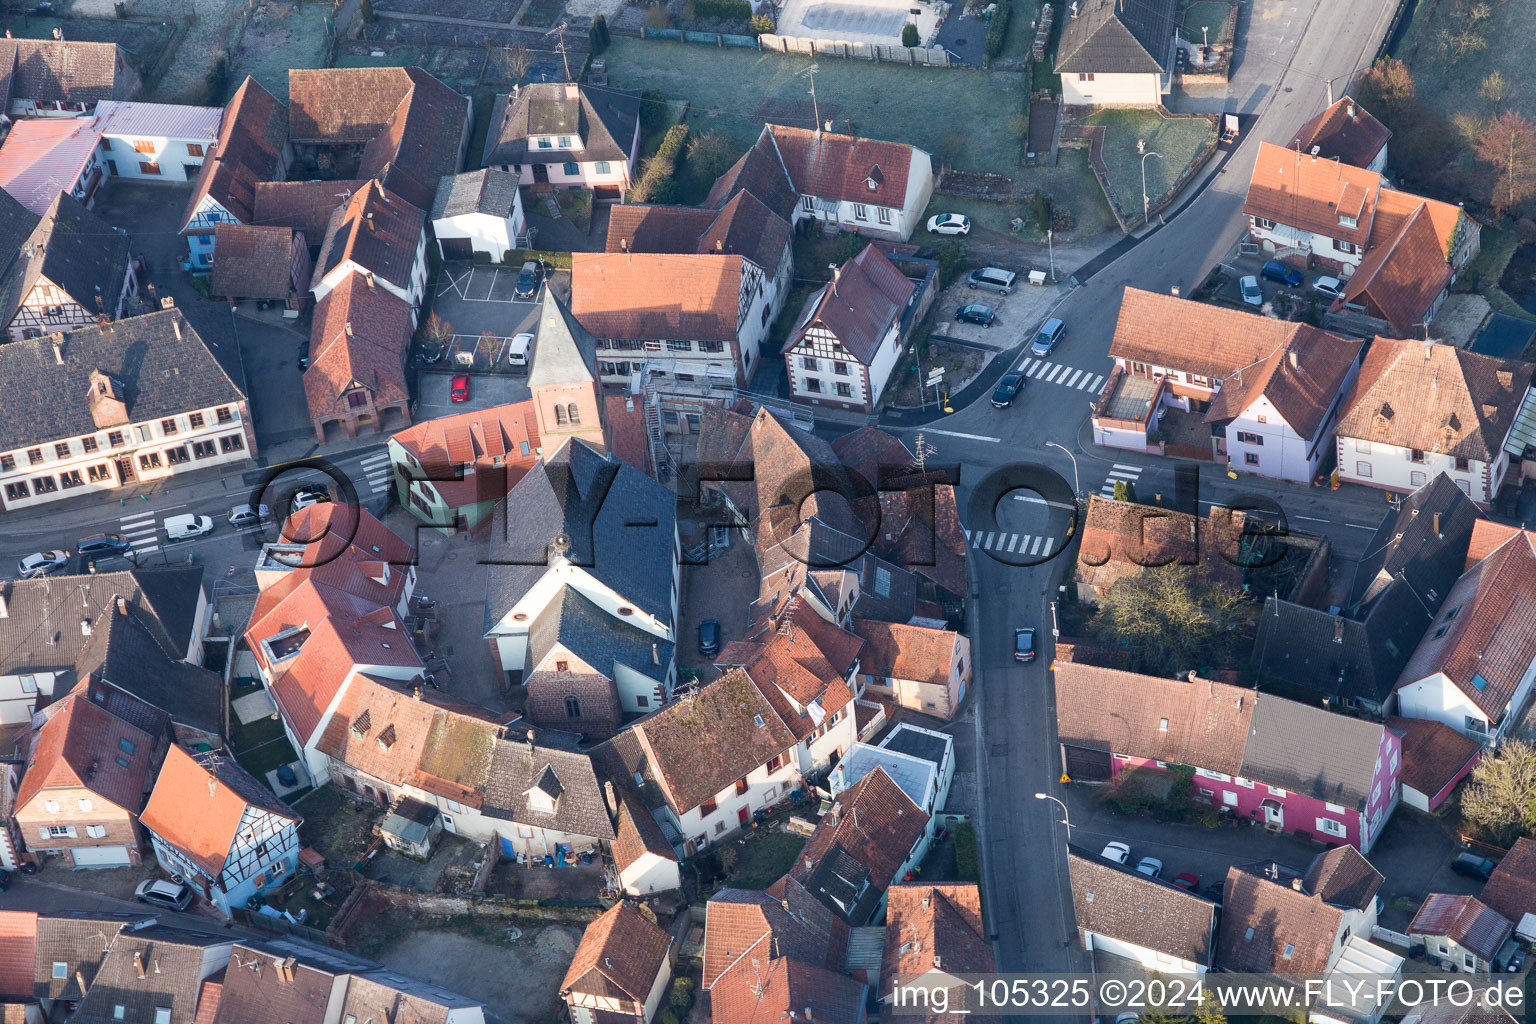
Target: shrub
[681, 996]
[653, 113]
[658, 17]
[668, 1016]
[763, 23]
[997, 31]
[365, 8]
[1042, 204]
[909, 36]
[672, 145]
[658, 177]
[951, 259]
[730, 10]
[597, 35]
[217, 81]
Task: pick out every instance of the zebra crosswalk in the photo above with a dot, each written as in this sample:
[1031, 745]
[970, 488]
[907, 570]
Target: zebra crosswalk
[1061, 373]
[376, 470]
[1001, 542]
[141, 532]
[1130, 474]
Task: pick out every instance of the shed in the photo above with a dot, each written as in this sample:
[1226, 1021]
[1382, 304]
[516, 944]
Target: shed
[411, 827]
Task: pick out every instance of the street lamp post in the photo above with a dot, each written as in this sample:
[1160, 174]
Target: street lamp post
[1141, 148]
[1066, 815]
[1077, 486]
[1050, 248]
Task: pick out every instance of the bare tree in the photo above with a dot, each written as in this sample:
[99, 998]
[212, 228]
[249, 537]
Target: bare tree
[1173, 618]
[1508, 145]
[1501, 796]
[436, 331]
[1494, 89]
[519, 60]
[1387, 90]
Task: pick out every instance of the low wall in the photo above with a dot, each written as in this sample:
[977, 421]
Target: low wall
[934, 56]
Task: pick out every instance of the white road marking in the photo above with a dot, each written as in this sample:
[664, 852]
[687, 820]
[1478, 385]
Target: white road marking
[1072, 382]
[1028, 363]
[1035, 499]
[1134, 469]
[1056, 371]
[1310, 519]
[137, 515]
[956, 433]
[966, 532]
[987, 543]
[1050, 542]
[1120, 474]
[1097, 381]
[1357, 526]
[1013, 543]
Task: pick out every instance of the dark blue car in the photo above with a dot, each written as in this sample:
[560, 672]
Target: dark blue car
[1274, 270]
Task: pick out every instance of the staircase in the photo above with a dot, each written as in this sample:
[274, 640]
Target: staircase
[653, 429]
[550, 205]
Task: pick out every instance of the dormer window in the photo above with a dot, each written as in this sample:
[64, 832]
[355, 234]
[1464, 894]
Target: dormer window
[1348, 222]
[544, 794]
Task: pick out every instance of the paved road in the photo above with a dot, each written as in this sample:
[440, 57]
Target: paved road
[1023, 854]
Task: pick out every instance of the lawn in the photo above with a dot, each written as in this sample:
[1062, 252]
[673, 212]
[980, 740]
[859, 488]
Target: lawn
[1070, 184]
[1450, 85]
[293, 38]
[1487, 270]
[961, 115]
[1021, 30]
[765, 859]
[1210, 13]
[1178, 139]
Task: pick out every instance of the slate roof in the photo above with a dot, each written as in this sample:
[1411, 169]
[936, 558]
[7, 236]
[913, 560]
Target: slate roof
[706, 740]
[253, 137]
[1511, 889]
[1435, 398]
[490, 191]
[1465, 921]
[127, 655]
[621, 526]
[304, 205]
[73, 248]
[172, 959]
[1345, 132]
[1433, 753]
[1304, 749]
[620, 955]
[605, 120]
[1309, 649]
[859, 846]
[159, 361]
[253, 262]
[737, 921]
[833, 166]
[518, 766]
[598, 638]
[1422, 542]
[933, 923]
[657, 296]
[359, 336]
[861, 304]
[199, 802]
[1121, 903]
[79, 746]
[1485, 635]
[566, 352]
[1343, 877]
[1117, 37]
[377, 231]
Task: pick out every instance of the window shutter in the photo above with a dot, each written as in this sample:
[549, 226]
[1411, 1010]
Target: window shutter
[43, 832]
[72, 833]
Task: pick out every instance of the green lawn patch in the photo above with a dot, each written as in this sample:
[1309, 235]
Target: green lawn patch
[1070, 184]
[1021, 30]
[1179, 139]
[959, 114]
[1213, 15]
[576, 205]
[765, 859]
[1488, 269]
[967, 860]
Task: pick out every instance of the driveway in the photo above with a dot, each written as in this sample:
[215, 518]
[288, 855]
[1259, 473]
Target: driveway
[965, 38]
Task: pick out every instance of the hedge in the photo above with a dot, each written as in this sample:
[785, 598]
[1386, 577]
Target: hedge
[516, 257]
[655, 184]
[739, 10]
[967, 862]
[998, 28]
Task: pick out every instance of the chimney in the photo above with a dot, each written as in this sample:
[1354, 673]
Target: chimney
[80, 980]
[213, 787]
[369, 276]
[57, 337]
[655, 655]
[1338, 630]
[785, 903]
[138, 965]
[122, 606]
[176, 326]
[85, 627]
[611, 798]
[1296, 884]
[349, 329]
[167, 302]
[369, 217]
[530, 737]
[1437, 524]
[936, 964]
[416, 693]
[5, 611]
[1295, 361]
[1349, 109]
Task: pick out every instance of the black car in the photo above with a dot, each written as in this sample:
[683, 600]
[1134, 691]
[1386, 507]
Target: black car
[304, 355]
[709, 637]
[976, 313]
[1024, 644]
[1473, 866]
[1007, 389]
[528, 280]
[101, 545]
[5, 880]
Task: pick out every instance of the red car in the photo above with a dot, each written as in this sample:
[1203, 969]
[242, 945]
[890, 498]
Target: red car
[1185, 880]
[458, 391]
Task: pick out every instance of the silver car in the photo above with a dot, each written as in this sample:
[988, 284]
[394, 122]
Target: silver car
[41, 563]
[1252, 293]
[993, 279]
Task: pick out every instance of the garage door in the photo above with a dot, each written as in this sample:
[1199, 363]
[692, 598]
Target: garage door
[101, 857]
[456, 248]
[1085, 765]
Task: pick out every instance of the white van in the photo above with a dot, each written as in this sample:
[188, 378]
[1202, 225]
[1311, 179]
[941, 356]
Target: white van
[519, 349]
[188, 526]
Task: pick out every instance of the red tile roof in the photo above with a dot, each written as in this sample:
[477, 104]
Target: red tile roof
[79, 748]
[768, 991]
[932, 925]
[1345, 131]
[1301, 380]
[738, 920]
[199, 812]
[1194, 337]
[18, 951]
[1511, 889]
[253, 262]
[657, 296]
[1302, 191]
[1269, 927]
[863, 302]
[305, 205]
[377, 231]
[620, 955]
[797, 658]
[901, 651]
[360, 337]
[252, 137]
[1433, 753]
[1435, 398]
[1401, 278]
[1123, 538]
[503, 439]
[833, 166]
[626, 431]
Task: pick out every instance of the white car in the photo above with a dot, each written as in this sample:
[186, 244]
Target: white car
[1117, 852]
[1329, 286]
[1151, 867]
[305, 497]
[949, 224]
[41, 563]
[1252, 293]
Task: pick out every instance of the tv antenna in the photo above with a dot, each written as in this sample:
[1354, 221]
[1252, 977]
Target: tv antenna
[810, 72]
[560, 30]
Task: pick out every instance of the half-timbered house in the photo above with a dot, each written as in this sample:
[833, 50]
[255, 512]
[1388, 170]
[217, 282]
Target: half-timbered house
[252, 147]
[220, 829]
[71, 268]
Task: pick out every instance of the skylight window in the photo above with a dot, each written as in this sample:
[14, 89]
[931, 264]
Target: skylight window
[1479, 682]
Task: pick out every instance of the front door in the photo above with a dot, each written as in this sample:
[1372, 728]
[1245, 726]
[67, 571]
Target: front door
[742, 814]
[540, 174]
[1274, 814]
[125, 471]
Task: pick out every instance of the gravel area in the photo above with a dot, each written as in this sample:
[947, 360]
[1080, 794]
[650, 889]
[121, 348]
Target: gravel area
[523, 987]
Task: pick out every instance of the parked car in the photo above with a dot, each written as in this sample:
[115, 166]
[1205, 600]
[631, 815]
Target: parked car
[307, 496]
[709, 637]
[102, 545]
[993, 279]
[1046, 338]
[1473, 866]
[1187, 880]
[458, 389]
[949, 224]
[1514, 960]
[518, 352]
[1274, 270]
[41, 563]
[304, 354]
[188, 526]
[1215, 892]
[1329, 286]
[528, 278]
[1024, 644]
[1007, 389]
[174, 895]
[976, 313]
[5, 880]
[1117, 852]
[242, 516]
[1252, 293]
[1151, 867]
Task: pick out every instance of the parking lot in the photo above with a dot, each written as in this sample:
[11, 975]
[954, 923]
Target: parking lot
[1018, 315]
[477, 299]
[485, 391]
